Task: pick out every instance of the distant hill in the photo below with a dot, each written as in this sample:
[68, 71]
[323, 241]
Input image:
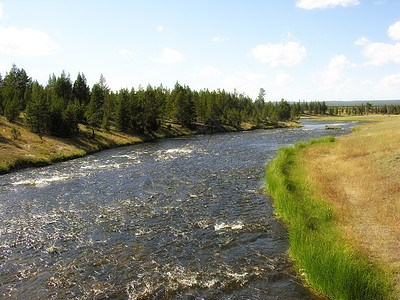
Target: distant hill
[359, 102]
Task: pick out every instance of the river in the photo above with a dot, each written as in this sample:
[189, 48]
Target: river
[182, 218]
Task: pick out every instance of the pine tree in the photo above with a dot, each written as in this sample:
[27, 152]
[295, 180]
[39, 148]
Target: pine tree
[13, 90]
[81, 90]
[183, 105]
[63, 90]
[94, 112]
[71, 118]
[37, 112]
[11, 111]
[122, 119]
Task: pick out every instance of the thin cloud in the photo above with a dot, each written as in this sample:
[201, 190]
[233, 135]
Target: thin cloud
[2, 15]
[208, 72]
[25, 42]
[312, 4]
[283, 80]
[219, 39]
[126, 52]
[389, 83]
[246, 82]
[333, 76]
[289, 54]
[169, 56]
[362, 41]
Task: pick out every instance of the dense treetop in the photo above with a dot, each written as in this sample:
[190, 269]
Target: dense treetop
[62, 104]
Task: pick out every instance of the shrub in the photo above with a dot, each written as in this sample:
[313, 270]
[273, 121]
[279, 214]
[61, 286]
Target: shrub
[15, 134]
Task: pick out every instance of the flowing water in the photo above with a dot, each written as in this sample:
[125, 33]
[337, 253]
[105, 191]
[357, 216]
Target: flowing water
[182, 218]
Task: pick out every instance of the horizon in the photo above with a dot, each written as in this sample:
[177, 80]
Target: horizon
[310, 50]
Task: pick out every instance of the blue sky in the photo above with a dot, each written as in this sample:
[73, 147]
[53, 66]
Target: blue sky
[294, 49]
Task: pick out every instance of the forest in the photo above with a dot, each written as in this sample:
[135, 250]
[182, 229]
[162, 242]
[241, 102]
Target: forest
[58, 107]
[62, 104]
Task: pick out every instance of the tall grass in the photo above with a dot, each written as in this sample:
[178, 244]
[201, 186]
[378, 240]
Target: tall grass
[320, 254]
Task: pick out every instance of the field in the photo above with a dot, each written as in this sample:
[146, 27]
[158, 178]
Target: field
[341, 201]
[359, 176]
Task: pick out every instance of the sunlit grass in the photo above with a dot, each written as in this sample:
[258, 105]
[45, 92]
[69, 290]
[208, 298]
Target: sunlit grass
[322, 256]
[29, 149]
[360, 177]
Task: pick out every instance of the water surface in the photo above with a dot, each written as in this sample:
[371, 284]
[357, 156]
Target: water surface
[183, 218]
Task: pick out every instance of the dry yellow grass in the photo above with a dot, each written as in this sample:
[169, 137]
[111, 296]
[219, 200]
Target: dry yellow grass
[360, 177]
[29, 148]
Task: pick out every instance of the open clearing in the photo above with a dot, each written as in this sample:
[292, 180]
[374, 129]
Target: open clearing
[359, 176]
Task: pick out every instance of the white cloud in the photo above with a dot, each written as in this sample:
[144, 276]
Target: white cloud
[340, 62]
[389, 84]
[25, 42]
[362, 41]
[219, 39]
[333, 75]
[169, 56]
[394, 31]
[126, 52]
[311, 4]
[160, 28]
[382, 53]
[208, 71]
[283, 80]
[289, 54]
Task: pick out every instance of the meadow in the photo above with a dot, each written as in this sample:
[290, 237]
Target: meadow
[340, 200]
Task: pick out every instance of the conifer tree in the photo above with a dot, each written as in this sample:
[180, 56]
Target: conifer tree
[37, 112]
[94, 112]
[81, 90]
[122, 112]
[11, 111]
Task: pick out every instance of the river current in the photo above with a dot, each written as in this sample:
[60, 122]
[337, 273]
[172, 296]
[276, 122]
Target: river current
[182, 218]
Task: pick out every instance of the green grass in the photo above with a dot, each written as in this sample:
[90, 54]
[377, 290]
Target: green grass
[322, 257]
[333, 127]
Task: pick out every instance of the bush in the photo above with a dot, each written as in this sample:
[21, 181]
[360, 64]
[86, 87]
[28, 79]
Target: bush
[15, 134]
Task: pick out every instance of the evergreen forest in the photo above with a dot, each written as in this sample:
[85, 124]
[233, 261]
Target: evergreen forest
[58, 107]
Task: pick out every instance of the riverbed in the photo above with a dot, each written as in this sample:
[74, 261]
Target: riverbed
[181, 218]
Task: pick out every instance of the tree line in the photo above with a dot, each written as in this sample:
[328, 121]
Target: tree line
[58, 107]
[368, 108]
[321, 108]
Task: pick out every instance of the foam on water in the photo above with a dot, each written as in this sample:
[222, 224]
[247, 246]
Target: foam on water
[171, 154]
[40, 182]
[237, 225]
[173, 219]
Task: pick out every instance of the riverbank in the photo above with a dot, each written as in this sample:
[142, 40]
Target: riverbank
[340, 201]
[20, 148]
[351, 118]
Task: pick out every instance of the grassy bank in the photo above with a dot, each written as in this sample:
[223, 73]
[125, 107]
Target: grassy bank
[20, 148]
[354, 118]
[359, 176]
[322, 256]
